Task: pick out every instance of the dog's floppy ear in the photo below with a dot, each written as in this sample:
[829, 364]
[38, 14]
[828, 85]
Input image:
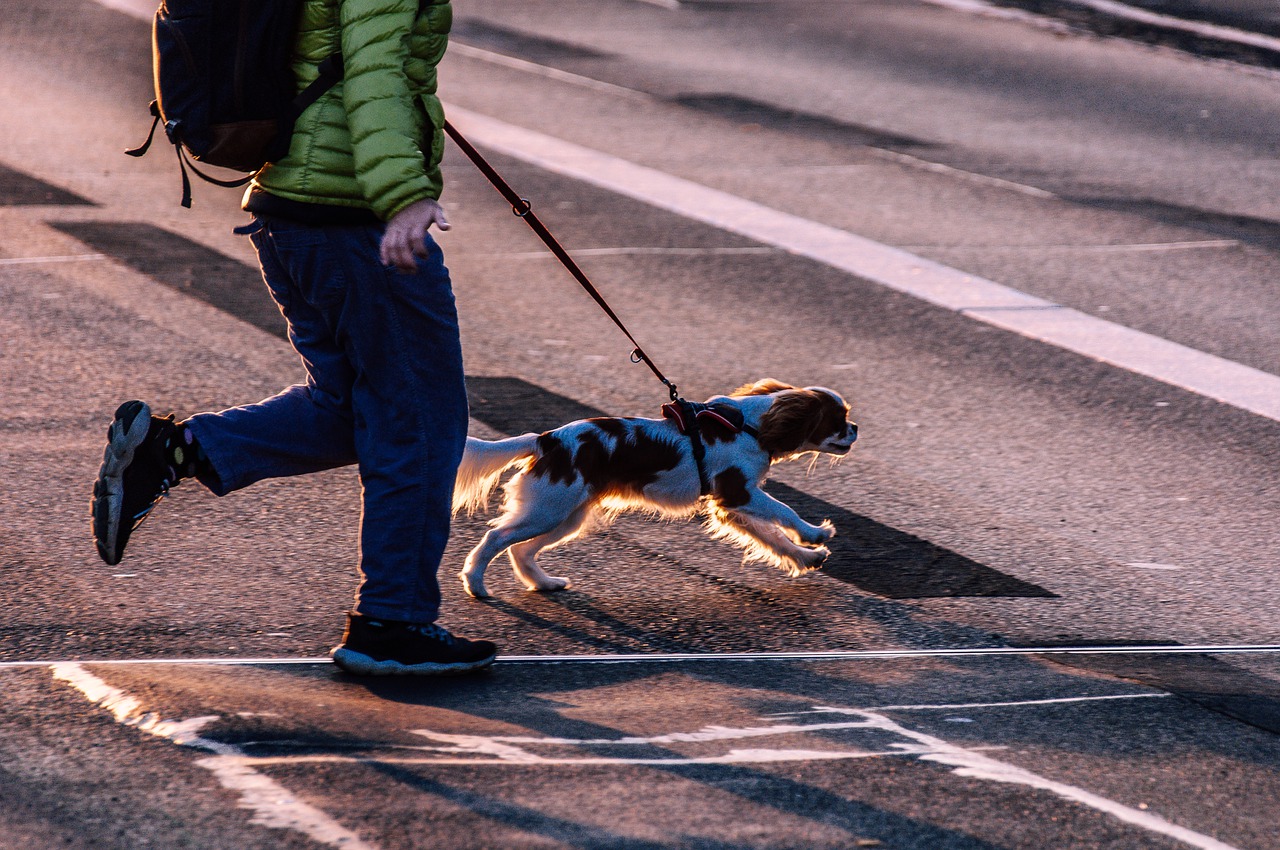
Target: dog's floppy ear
[790, 421]
[765, 386]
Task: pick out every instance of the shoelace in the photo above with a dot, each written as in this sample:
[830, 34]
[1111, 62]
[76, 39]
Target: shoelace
[431, 630]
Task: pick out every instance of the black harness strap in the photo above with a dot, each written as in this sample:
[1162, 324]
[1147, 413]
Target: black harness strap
[686, 415]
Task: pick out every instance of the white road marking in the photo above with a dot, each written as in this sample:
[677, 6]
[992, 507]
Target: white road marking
[69, 258]
[144, 9]
[273, 805]
[1013, 704]
[1143, 565]
[1187, 368]
[651, 658]
[627, 252]
[970, 762]
[1132, 13]
[546, 71]
[976, 765]
[757, 756]
[1139, 247]
[978, 7]
[513, 749]
[970, 176]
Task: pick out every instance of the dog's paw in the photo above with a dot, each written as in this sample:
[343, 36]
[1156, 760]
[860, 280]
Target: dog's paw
[805, 560]
[474, 586]
[822, 533]
[815, 557]
[551, 584]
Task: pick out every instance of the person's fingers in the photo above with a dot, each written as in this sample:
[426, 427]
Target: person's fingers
[395, 251]
[407, 253]
[419, 242]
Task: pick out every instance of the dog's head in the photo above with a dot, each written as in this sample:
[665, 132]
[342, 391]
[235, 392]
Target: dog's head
[801, 420]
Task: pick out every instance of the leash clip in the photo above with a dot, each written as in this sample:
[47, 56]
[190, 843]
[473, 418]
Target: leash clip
[521, 213]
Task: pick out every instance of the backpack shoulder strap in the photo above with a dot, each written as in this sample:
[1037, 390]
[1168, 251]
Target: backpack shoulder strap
[331, 72]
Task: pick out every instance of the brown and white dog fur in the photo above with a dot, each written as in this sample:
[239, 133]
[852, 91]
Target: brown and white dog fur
[595, 469]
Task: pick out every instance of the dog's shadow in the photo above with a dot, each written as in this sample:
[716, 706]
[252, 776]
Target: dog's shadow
[888, 562]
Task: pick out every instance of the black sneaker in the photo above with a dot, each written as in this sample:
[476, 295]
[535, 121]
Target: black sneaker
[373, 647]
[135, 475]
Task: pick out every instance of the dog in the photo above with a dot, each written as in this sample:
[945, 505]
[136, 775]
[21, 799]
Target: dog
[592, 470]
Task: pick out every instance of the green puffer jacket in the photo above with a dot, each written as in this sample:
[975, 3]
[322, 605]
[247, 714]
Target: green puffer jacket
[374, 141]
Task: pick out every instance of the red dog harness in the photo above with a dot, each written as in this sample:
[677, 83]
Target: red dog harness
[690, 416]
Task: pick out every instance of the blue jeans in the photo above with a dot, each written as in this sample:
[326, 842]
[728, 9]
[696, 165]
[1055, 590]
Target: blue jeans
[384, 390]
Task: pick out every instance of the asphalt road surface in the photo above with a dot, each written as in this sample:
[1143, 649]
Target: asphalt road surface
[1084, 456]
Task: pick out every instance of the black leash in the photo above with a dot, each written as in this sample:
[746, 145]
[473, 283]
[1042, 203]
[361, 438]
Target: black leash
[523, 209]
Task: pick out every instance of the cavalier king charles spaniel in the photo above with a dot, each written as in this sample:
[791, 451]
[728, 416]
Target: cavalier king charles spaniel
[709, 459]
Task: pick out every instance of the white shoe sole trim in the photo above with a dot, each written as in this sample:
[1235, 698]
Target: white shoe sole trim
[361, 664]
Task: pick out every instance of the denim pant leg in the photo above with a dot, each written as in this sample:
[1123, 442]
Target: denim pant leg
[410, 405]
[307, 427]
[385, 389]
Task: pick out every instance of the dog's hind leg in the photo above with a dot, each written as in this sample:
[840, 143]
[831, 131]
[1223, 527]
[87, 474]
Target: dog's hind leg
[533, 509]
[524, 556]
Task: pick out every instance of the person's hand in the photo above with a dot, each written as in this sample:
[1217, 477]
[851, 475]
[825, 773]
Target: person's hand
[405, 238]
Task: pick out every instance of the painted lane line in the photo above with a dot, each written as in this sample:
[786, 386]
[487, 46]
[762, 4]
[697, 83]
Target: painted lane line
[952, 171]
[1010, 704]
[704, 735]
[69, 258]
[650, 658]
[546, 71]
[471, 750]
[144, 10]
[745, 756]
[1140, 247]
[1222, 33]
[973, 764]
[1121, 10]
[657, 252]
[274, 807]
[983, 300]
[890, 654]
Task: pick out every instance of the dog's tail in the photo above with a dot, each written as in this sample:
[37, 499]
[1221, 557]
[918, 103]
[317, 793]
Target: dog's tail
[482, 466]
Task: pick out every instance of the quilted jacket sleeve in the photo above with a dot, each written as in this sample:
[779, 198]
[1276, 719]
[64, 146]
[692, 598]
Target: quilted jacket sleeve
[387, 120]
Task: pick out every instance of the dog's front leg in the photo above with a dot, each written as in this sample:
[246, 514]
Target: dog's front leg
[765, 507]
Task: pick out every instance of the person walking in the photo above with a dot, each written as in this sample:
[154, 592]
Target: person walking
[341, 226]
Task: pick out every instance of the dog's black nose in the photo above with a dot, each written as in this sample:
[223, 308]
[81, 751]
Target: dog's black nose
[853, 430]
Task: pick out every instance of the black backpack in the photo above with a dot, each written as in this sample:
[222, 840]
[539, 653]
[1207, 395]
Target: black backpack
[224, 89]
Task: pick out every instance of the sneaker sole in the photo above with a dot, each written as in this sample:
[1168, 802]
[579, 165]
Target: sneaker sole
[363, 665]
[127, 431]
